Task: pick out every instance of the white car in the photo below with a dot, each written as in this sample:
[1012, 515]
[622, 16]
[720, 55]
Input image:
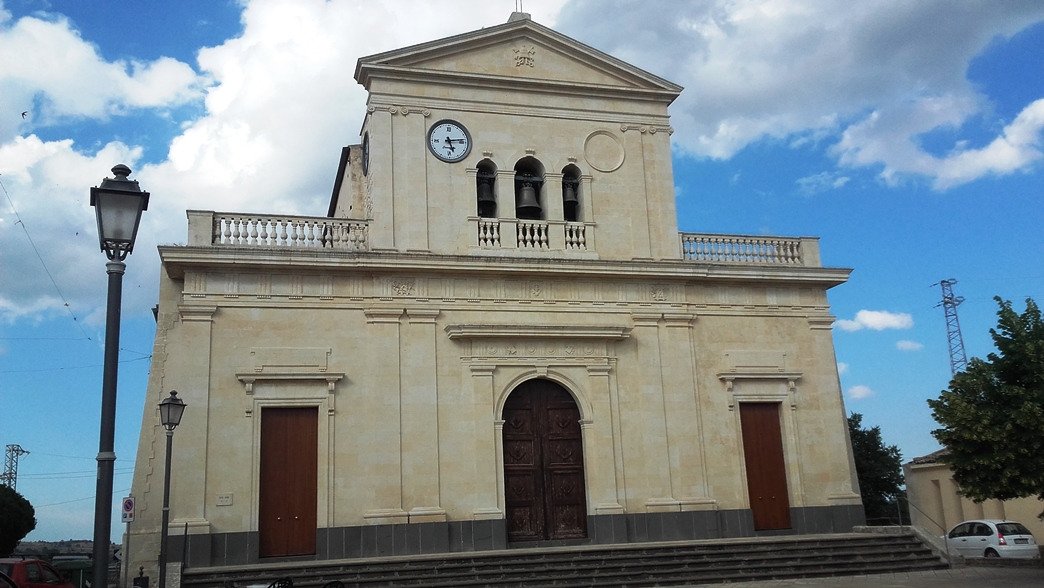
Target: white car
[992, 538]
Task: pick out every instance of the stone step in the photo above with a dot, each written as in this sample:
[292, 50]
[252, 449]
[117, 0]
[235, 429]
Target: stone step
[609, 565]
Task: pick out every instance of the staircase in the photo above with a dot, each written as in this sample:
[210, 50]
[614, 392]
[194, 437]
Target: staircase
[657, 564]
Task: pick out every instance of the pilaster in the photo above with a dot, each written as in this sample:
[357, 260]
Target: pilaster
[487, 451]
[600, 445]
[683, 431]
[648, 427]
[381, 455]
[191, 377]
[420, 417]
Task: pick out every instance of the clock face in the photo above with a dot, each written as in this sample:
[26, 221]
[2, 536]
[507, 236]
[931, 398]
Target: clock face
[449, 141]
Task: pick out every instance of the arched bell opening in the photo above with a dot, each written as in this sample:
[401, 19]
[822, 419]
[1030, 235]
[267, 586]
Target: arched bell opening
[571, 193]
[529, 183]
[485, 186]
[545, 497]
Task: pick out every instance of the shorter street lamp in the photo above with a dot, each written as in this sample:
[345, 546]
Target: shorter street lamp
[171, 409]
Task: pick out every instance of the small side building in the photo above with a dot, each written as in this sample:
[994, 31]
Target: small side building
[936, 504]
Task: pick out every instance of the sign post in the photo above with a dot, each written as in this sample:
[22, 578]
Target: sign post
[127, 515]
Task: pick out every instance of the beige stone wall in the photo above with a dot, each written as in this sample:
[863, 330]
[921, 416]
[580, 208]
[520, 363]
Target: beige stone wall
[410, 374]
[939, 505]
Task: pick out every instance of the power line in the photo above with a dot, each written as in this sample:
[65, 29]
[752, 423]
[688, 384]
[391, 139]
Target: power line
[65, 301]
[73, 476]
[76, 367]
[91, 497]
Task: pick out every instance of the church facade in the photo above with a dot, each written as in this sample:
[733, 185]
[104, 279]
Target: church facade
[497, 336]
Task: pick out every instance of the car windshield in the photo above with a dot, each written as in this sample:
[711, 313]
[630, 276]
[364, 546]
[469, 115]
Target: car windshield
[1012, 529]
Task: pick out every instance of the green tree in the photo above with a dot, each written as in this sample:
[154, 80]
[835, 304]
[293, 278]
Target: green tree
[879, 468]
[17, 518]
[992, 415]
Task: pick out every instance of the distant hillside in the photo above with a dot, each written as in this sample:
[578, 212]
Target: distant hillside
[49, 549]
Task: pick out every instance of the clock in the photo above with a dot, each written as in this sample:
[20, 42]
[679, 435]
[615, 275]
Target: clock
[366, 153]
[449, 141]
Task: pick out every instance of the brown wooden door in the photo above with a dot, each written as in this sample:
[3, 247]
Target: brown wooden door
[288, 500]
[544, 489]
[766, 470]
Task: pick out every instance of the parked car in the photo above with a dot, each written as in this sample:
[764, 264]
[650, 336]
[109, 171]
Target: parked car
[992, 538]
[32, 573]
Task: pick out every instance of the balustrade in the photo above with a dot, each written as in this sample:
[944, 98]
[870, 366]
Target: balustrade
[532, 234]
[742, 249]
[488, 233]
[576, 236]
[246, 230]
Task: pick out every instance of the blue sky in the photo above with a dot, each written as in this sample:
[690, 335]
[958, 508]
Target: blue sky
[907, 136]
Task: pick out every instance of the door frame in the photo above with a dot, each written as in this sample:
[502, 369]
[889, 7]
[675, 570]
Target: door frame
[585, 423]
[301, 394]
[779, 388]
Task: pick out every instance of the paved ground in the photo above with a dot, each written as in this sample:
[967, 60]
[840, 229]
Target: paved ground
[961, 577]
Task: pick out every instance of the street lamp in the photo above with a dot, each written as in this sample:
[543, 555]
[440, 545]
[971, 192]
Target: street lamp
[171, 410]
[118, 203]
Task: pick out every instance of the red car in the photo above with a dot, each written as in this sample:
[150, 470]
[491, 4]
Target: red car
[32, 573]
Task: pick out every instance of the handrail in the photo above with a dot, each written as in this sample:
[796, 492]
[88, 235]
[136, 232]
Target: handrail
[946, 545]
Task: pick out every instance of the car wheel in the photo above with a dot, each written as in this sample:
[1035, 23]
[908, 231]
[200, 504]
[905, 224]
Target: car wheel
[991, 553]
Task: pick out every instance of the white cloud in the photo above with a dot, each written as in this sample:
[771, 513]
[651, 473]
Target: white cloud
[876, 320]
[842, 368]
[85, 85]
[860, 392]
[907, 345]
[862, 76]
[1017, 147]
[821, 182]
[279, 101]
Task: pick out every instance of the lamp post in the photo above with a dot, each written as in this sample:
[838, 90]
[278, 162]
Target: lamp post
[171, 410]
[118, 204]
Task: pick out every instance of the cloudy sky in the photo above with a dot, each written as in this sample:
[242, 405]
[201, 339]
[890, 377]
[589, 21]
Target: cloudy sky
[907, 135]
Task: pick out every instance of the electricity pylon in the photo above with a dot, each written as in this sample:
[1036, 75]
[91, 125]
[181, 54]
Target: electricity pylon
[10, 475]
[958, 360]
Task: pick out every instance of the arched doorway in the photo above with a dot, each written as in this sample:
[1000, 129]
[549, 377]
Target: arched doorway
[544, 494]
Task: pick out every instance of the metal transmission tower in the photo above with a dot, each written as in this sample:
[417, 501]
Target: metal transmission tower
[10, 475]
[958, 360]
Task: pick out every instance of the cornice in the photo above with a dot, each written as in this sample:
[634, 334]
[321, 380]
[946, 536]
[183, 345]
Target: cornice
[179, 259]
[430, 77]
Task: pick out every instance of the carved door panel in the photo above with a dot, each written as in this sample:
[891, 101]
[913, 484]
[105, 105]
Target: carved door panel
[766, 469]
[545, 497]
[288, 488]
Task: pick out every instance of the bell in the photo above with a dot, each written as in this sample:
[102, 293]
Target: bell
[528, 206]
[485, 192]
[487, 204]
[569, 194]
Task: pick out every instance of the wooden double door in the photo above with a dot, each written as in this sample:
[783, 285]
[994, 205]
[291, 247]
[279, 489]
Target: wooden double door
[766, 468]
[544, 492]
[288, 489]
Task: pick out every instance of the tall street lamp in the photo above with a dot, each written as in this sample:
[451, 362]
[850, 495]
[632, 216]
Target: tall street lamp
[171, 410]
[118, 203]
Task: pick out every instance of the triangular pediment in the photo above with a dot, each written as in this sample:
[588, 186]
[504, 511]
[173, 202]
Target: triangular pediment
[519, 51]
